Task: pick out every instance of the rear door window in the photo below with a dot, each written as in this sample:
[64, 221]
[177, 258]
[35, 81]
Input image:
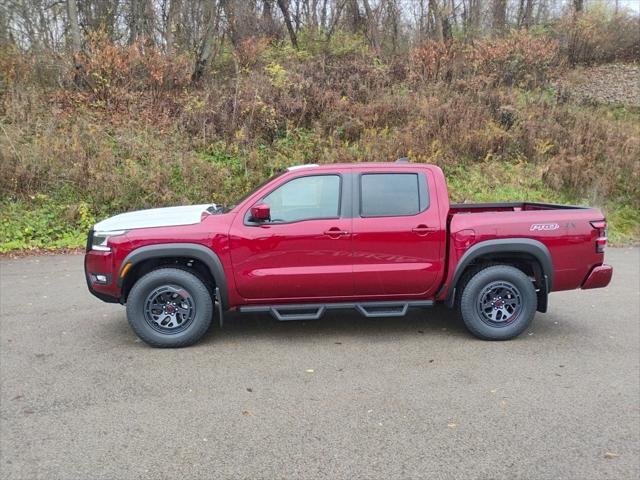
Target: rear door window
[389, 194]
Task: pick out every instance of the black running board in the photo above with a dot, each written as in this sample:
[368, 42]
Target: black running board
[313, 311]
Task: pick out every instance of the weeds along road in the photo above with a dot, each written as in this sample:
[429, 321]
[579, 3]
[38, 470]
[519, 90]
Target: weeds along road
[343, 397]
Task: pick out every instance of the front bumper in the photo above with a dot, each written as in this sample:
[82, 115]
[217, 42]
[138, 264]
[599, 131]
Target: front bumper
[599, 277]
[101, 263]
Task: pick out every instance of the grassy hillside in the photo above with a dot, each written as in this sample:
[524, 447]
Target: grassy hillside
[126, 128]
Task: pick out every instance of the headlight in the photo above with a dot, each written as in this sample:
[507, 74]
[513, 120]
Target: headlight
[99, 240]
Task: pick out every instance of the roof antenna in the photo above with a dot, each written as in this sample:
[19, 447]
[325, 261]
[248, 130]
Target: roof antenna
[403, 160]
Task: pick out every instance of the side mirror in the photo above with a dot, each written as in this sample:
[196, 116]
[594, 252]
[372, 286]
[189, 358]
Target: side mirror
[260, 213]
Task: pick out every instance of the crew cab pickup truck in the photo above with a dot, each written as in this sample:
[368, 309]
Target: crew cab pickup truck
[379, 238]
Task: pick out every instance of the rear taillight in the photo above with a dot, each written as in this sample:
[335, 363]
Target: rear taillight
[601, 239]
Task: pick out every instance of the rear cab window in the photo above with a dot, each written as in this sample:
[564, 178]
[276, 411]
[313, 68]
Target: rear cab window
[393, 194]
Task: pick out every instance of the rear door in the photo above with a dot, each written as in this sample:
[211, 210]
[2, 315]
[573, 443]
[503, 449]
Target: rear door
[304, 251]
[398, 238]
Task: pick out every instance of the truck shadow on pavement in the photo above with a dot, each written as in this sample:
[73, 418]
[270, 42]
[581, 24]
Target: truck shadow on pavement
[344, 324]
[432, 322]
[436, 322]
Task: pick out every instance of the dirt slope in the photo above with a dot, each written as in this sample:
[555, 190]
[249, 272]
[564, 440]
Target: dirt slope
[615, 83]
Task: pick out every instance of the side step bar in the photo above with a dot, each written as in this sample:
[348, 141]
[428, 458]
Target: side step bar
[313, 311]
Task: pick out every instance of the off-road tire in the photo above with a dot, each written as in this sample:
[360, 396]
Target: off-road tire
[470, 302]
[199, 296]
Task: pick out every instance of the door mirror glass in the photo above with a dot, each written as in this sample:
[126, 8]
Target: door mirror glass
[260, 213]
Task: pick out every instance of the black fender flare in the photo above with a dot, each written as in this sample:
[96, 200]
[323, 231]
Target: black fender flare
[529, 246]
[188, 250]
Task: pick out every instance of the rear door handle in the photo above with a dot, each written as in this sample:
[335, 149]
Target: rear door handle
[422, 230]
[335, 232]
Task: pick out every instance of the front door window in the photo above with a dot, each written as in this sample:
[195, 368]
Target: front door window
[305, 198]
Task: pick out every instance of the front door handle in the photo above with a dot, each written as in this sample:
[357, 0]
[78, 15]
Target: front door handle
[422, 230]
[335, 232]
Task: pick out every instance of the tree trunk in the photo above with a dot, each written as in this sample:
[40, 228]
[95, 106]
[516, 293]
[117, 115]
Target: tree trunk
[527, 15]
[541, 12]
[5, 35]
[287, 20]
[74, 28]
[499, 17]
[314, 15]
[323, 15]
[447, 31]
[434, 7]
[447, 14]
[141, 21]
[520, 13]
[337, 14]
[149, 18]
[206, 50]
[475, 16]
[269, 24]
[172, 24]
[236, 34]
[76, 41]
[267, 9]
[421, 21]
[372, 33]
[353, 16]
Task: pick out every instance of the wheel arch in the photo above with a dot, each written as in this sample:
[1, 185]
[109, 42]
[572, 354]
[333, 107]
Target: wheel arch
[530, 256]
[201, 259]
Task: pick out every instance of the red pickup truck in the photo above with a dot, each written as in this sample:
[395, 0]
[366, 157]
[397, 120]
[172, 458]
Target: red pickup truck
[379, 238]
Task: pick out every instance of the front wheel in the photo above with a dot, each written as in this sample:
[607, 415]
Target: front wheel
[169, 307]
[498, 303]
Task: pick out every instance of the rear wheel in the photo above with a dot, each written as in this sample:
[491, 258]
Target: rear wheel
[498, 303]
[169, 307]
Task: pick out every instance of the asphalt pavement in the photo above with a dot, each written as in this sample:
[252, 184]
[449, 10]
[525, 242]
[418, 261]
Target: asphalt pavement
[340, 398]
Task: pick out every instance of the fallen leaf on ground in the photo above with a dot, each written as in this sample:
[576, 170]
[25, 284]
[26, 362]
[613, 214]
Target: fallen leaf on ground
[247, 413]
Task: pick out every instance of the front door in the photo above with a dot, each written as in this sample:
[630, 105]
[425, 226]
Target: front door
[397, 234]
[304, 250]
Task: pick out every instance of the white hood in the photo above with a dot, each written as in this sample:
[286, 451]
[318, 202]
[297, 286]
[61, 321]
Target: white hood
[155, 217]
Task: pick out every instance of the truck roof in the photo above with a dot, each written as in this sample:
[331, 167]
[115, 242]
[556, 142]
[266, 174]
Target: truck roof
[357, 165]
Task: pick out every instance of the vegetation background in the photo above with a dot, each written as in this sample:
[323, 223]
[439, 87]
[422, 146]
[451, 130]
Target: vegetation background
[114, 105]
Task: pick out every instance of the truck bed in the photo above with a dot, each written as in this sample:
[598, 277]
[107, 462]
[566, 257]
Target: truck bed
[508, 207]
